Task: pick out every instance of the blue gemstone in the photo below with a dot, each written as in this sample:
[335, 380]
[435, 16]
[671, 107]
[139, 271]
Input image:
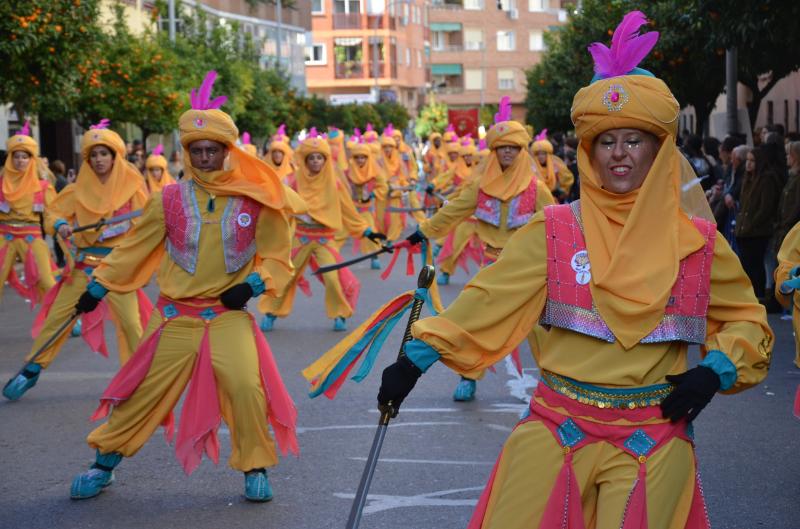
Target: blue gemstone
[208, 314]
[169, 311]
[640, 443]
[569, 433]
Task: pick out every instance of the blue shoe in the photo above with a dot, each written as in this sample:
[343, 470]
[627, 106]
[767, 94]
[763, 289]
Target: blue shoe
[443, 279]
[375, 264]
[339, 324]
[17, 386]
[465, 391]
[256, 486]
[76, 329]
[436, 249]
[92, 482]
[267, 322]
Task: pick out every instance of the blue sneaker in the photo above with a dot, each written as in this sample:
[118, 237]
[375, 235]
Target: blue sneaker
[92, 482]
[465, 391]
[375, 264]
[256, 486]
[17, 386]
[339, 324]
[267, 322]
[76, 329]
[443, 279]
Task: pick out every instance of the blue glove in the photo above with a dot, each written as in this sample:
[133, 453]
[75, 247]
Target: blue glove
[788, 286]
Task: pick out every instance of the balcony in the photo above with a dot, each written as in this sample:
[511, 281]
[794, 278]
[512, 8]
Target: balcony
[448, 48]
[347, 21]
[447, 4]
[349, 70]
[379, 22]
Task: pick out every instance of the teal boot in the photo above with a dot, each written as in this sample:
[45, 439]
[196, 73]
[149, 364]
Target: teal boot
[17, 386]
[375, 264]
[256, 486]
[76, 329]
[465, 391]
[99, 476]
[443, 279]
[339, 324]
[267, 322]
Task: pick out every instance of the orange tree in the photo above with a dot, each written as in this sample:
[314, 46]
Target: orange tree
[41, 44]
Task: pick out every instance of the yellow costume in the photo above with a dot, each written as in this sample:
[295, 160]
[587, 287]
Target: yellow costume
[157, 161]
[284, 170]
[329, 210]
[215, 235]
[86, 202]
[557, 176]
[24, 197]
[369, 189]
[431, 157]
[596, 450]
[788, 259]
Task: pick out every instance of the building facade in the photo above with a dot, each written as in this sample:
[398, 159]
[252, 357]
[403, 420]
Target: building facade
[369, 51]
[480, 49]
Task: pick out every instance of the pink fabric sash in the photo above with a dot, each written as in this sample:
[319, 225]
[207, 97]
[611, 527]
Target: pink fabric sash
[201, 416]
[26, 289]
[564, 509]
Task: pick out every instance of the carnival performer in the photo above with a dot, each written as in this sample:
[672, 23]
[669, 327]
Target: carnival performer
[504, 197]
[247, 145]
[157, 172]
[787, 282]
[25, 193]
[329, 208]
[107, 186]
[280, 155]
[626, 280]
[556, 174]
[218, 238]
[401, 188]
[369, 190]
[430, 160]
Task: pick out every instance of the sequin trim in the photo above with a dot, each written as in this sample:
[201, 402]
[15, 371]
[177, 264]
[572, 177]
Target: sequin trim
[236, 256]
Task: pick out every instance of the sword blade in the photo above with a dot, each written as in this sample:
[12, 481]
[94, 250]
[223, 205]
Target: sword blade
[111, 220]
[345, 264]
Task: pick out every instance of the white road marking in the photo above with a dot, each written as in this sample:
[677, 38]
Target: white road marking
[498, 427]
[427, 461]
[385, 502]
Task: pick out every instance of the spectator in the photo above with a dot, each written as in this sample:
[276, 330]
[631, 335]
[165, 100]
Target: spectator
[711, 152]
[761, 190]
[726, 156]
[702, 168]
[789, 208]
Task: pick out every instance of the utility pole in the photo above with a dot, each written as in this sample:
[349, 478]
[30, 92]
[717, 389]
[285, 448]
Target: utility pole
[279, 13]
[171, 15]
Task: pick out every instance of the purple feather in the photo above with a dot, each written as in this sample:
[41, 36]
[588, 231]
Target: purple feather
[313, 133]
[103, 124]
[388, 130]
[246, 138]
[26, 129]
[357, 133]
[466, 140]
[200, 98]
[482, 145]
[159, 150]
[369, 127]
[504, 110]
[628, 47]
[542, 135]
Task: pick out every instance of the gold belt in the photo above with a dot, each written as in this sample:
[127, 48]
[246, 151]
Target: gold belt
[606, 397]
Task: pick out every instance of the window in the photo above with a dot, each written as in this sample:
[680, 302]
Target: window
[315, 55]
[505, 41]
[419, 58]
[473, 79]
[536, 40]
[505, 5]
[375, 7]
[538, 5]
[439, 39]
[505, 79]
[473, 39]
[347, 6]
[408, 57]
[475, 5]
[317, 7]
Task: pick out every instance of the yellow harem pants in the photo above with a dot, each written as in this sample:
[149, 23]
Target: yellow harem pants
[18, 247]
[461, 238]
[336, 304]
[234, 358]
[532, 459]
[414, 202]
[124, 310]
[394, 222]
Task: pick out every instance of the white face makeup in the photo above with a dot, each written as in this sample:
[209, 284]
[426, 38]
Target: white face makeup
[623, 157]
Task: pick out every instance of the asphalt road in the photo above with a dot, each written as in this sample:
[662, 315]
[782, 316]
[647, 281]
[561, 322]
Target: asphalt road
[435, 460]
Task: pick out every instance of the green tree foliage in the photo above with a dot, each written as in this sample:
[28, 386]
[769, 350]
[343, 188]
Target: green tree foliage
[42, 42]
[432, 118]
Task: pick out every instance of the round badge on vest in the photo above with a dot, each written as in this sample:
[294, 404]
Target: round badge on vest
[244, 220]
[580, 264]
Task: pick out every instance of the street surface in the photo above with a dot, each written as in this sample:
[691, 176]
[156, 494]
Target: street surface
[435, 461]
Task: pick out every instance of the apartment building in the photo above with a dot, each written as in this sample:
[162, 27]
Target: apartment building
[368, 51]
[480, 49]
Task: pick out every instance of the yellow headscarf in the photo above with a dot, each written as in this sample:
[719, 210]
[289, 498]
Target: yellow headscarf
[243, 175]
[157, 160]
[549, 171]
[286, 167]
[96, 200]
[635, 240]
[517, 177]
[392, 161]
[319, 192]
[336, 139]
[362, 175]
[20, 186]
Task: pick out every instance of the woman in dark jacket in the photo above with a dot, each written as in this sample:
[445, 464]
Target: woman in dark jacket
[761, 191]
[789, 209]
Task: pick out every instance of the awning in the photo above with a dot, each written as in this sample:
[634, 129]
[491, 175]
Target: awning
[446, 69]
[445, 26]
[347, 41]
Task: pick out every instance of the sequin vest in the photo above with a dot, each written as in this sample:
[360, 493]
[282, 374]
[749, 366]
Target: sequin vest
[38, 198]
[520, 208]
[569, 299]
[184, 224]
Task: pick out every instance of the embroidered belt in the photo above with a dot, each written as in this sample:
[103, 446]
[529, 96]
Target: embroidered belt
[313, 232]
[20, 230]
[600, 397]
[91, 256]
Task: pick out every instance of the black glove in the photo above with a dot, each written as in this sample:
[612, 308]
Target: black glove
[693, 391]
[429, 189]
[397, 382]
[86, 303]
[416, 238]
[376, 236]
[236, 297]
